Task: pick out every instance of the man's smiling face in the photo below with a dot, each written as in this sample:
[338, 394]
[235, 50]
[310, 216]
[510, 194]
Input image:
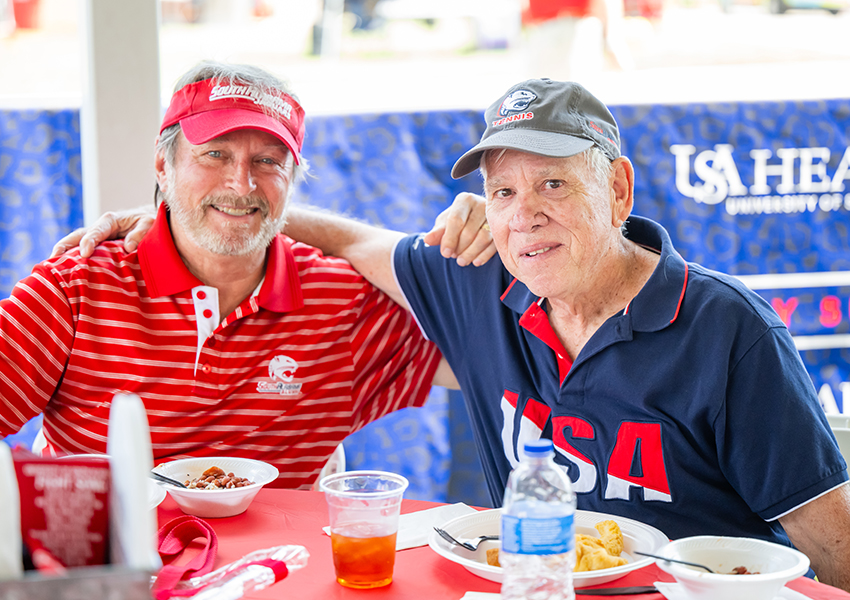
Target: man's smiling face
[228, 196]
[551, 219]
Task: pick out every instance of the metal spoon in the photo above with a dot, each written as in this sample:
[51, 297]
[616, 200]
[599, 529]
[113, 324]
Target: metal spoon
[675, 560]
[164, 479]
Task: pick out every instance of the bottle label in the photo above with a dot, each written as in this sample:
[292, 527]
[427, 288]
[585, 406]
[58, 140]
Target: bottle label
[550, 535]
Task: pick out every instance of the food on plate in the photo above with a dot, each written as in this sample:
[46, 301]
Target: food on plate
[742, 571]
[215, 478]
[611, 536]
[592, 553]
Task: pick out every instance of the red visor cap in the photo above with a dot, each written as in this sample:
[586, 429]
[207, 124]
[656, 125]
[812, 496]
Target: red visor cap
[206, 110]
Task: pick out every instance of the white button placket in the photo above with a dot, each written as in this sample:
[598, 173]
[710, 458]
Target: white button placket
[205, 299]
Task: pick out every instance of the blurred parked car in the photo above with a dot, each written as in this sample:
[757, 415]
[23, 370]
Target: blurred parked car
[778, 7]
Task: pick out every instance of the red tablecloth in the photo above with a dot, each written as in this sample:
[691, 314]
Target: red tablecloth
[279, 517]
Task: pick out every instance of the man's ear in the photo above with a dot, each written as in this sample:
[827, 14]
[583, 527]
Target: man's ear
[622, 190]
[160, 165]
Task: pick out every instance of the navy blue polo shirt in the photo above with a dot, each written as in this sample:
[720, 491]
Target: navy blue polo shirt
[690, 410]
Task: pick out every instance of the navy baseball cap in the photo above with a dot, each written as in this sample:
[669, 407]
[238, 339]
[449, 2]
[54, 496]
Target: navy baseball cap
[545, 117]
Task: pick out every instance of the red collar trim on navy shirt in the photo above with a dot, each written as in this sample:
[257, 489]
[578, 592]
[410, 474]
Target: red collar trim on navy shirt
[507, 291]
[681, 295]
[166, 275]
[536, 322]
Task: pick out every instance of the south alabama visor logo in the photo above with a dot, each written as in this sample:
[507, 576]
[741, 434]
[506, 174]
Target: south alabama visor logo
[255, 95]
[516, 102]
[282, 373]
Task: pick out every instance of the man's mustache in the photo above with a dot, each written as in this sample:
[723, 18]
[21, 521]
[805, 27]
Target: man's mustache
[238, 202]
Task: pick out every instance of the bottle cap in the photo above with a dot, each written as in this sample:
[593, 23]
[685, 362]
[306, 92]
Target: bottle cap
[538, 447]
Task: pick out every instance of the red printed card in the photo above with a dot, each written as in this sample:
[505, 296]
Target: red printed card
[65, 507]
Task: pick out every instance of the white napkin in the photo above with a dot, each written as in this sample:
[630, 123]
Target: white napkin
[479, 596]
[674, 591]
[414, 528]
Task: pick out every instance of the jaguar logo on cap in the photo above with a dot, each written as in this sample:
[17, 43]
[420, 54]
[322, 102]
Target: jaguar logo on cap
[516, 101]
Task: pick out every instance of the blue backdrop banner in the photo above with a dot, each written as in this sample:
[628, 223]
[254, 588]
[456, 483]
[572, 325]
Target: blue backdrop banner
[41, 195]
[757, 190]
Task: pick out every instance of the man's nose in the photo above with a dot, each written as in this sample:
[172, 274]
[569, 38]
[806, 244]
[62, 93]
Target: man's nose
[241, 177]
[527, 213]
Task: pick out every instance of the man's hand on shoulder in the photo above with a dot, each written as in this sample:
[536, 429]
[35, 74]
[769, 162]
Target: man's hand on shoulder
[130, 224]
[462, 232]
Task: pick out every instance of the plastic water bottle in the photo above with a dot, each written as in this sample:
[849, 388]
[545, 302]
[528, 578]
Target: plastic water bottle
[538, 533]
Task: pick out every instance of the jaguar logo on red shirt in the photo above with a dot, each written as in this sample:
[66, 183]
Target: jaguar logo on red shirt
[282, 372]
[282, 368]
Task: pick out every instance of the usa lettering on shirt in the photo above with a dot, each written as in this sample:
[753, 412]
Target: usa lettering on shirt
[636, 460]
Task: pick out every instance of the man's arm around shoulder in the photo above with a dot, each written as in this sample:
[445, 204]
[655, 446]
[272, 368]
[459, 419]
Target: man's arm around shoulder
[460, 231]
[368, 249]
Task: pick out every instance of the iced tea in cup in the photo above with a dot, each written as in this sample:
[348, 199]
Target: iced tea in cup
[363, 507]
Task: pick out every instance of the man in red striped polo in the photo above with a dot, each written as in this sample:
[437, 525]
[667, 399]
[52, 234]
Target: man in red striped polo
[239, 340]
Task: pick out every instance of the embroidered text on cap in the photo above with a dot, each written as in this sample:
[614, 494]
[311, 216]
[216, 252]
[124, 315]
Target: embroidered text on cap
[255, 95]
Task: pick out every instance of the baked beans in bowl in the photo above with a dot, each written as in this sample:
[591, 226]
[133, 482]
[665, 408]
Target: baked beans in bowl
[220, 486]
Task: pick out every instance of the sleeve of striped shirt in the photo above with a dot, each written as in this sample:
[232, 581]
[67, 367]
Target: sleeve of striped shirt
[393, 364]
[36, 335]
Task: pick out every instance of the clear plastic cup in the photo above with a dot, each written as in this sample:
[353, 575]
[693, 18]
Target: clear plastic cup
[363, 507]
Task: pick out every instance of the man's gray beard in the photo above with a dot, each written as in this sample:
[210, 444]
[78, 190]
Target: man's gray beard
[239, 241]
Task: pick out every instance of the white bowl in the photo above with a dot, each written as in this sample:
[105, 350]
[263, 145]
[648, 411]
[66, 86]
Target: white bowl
[216, 503]
[775, 564]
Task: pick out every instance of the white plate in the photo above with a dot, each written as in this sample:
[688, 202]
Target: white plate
[636, 536]
[156, 494]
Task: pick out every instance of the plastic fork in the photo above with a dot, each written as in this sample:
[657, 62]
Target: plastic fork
[471, 545]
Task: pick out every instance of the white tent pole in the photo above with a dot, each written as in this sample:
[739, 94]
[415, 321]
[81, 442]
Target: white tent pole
[121, 107]
[331, 28]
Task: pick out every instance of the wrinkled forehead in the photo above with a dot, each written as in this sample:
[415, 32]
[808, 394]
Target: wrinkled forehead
[498, 163]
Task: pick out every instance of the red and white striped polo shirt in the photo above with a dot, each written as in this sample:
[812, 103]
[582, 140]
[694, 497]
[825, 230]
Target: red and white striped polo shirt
[315, 354]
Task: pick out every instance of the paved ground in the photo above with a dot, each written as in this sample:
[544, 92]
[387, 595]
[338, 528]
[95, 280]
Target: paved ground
[693, 53]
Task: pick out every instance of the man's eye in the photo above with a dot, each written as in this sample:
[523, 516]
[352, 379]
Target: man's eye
[553, 184]
[268, 161]
[214, 153]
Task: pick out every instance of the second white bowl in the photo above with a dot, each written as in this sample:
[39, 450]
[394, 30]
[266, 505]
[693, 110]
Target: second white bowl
[774, 564]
